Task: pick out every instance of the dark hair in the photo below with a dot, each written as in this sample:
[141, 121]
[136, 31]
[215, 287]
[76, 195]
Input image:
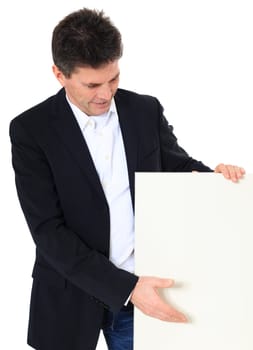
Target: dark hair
[85, 38]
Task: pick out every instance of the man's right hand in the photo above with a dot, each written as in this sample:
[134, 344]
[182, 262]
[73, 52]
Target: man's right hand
[145, 297]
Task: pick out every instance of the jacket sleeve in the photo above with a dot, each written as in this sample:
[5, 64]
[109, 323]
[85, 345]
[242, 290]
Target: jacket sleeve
[173, 157]
[62, 248]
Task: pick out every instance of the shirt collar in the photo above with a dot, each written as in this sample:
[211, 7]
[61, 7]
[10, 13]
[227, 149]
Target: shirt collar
[83, 119]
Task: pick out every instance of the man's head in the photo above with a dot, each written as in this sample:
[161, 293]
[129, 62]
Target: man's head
[85, 38]
[86, 48]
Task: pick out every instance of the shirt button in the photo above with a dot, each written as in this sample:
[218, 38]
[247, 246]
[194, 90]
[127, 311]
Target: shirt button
[91, 123]
[107, 157]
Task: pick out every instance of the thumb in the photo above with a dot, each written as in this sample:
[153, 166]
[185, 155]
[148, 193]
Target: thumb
[164, 282]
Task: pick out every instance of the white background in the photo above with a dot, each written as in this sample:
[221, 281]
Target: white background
[195, 56]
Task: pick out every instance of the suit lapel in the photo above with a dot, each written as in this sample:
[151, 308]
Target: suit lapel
[69, 132]
[128, 125]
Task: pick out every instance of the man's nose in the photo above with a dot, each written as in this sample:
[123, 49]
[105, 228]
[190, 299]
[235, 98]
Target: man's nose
[105, 92]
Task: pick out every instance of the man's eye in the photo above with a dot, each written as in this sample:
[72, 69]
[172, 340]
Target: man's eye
[92, 86]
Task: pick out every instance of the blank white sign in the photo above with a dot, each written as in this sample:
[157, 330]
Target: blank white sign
[197, 228]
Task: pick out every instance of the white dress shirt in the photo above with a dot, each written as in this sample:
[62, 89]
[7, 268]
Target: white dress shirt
[104, 139]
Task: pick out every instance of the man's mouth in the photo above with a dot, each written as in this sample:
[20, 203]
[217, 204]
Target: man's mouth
[101, 103]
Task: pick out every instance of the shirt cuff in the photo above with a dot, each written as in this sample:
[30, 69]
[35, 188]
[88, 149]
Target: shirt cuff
[126, 302]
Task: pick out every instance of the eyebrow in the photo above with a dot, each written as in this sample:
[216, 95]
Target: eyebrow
[97, 84]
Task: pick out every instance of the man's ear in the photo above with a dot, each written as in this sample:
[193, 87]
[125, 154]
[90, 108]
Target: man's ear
[59, 75]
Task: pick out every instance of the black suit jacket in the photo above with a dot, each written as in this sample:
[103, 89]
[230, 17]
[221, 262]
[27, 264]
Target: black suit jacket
[68, 216]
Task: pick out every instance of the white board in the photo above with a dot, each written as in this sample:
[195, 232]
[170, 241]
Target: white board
[197, 228]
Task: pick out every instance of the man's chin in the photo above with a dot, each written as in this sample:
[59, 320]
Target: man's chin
[100, 108]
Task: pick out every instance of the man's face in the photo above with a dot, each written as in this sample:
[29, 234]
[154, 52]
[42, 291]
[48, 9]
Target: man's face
[90, 89]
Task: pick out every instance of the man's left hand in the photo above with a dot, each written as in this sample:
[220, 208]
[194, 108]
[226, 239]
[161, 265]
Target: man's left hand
[230, 172]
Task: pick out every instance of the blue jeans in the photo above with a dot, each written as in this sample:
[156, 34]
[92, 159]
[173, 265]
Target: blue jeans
[118, 329]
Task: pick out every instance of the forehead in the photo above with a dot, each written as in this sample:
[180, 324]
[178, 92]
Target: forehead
[101, 74]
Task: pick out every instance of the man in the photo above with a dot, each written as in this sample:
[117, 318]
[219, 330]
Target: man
[74, 157]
